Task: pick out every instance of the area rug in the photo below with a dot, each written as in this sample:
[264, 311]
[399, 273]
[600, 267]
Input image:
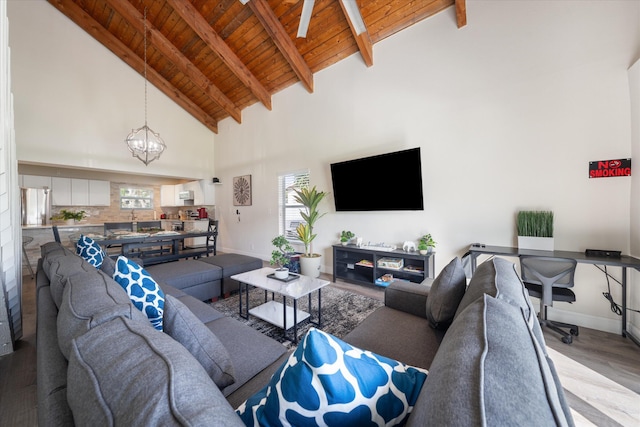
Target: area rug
[342, 311]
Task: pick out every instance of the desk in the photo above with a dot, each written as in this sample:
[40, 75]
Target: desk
[623, 262]
[131, 246]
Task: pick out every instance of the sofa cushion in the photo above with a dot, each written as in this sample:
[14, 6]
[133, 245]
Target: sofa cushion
[183, 274]
[90, 299]
[445, 294]
[328, 382]
[146, 379]
[90, 251]
[183, 326]
[61, 269]
[233, 263]
[489, 370]
[143, 291]
[50, 252]
[250, 350]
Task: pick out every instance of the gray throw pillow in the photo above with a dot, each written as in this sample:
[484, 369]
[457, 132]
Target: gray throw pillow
[183, 326]
[445, 294]
[108, 266]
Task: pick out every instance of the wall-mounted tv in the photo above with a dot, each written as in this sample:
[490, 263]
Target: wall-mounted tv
[387, 182]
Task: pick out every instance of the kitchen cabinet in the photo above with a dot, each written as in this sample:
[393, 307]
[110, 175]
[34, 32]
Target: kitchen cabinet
[34, 181]
[79, 192]
[99, 193]
[198, 196]
[208, 192]
[167, 195]
[60, 191]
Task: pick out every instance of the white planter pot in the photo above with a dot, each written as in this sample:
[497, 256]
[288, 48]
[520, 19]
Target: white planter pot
[310, 266]
[281, 273]
[536, 243]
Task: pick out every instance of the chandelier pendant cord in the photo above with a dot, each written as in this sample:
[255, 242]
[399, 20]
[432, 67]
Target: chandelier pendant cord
[144, 143]
[145, 66]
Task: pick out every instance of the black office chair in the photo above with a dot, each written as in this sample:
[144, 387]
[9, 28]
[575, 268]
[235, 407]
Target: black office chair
[550, 279]
[212, 238]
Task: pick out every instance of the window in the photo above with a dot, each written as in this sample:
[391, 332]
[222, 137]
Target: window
[288, 208]
[136, 198]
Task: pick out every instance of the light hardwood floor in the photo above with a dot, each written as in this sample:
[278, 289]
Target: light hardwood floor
[600, 372]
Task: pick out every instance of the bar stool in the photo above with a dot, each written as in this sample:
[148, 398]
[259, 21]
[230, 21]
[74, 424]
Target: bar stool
[25, 241]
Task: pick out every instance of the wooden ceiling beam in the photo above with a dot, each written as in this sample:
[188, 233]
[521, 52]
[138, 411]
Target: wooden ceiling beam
[196, 21]
[276, 31]
[461, 13]
[363, 40]
[160, 42]
[97, 31]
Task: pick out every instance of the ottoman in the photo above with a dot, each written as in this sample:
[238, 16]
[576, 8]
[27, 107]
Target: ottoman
[200, 280]
[232, 264]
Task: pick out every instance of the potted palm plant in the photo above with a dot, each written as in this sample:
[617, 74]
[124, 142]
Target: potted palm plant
[280, 256]
[310, 198]
[535, 230]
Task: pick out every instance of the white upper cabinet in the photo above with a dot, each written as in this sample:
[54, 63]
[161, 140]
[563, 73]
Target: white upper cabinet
[167, 195]
[80, 192]
[60, 191]
[208, 191]
[34, 181]
[99, 193]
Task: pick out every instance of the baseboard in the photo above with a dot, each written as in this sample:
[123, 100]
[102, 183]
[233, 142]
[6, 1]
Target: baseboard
[604, 324]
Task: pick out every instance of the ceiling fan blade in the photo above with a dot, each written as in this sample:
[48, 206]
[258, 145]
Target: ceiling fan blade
[305, 17]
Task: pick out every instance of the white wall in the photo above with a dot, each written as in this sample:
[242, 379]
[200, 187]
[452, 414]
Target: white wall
[508, 112]
[76, 102]
[634, 290]
[10, 241]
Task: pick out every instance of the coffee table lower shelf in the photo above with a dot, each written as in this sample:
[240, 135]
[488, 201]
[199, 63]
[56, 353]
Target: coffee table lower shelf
[271, 312]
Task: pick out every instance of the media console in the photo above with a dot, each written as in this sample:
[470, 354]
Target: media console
[360, 266]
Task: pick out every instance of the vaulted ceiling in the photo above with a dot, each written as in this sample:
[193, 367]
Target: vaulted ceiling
[215, 58]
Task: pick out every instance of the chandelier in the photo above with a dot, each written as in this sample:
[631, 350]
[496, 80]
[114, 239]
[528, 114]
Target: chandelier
[144, 143]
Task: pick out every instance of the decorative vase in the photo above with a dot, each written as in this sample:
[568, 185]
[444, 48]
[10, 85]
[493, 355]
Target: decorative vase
[281, 273]
[536, 243]
[423, 251]
[70, 222]
[344, 243]
[310, 266]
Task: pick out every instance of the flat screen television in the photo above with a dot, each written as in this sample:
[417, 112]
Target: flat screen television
[386, 182]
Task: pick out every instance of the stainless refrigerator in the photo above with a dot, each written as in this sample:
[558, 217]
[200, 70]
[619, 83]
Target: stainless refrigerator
[36, 206]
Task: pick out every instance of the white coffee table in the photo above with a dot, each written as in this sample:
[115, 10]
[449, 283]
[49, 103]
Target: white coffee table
[273, 311]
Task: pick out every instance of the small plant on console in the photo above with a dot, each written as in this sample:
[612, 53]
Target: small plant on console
[426, 244]
[345, 236]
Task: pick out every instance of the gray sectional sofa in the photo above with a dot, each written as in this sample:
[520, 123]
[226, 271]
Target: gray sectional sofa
[100, 362]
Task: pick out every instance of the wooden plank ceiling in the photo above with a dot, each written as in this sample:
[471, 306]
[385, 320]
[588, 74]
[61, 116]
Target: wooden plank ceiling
[215, 58]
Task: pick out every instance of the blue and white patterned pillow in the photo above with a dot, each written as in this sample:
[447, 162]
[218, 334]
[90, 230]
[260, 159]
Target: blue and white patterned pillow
[90, 250]
[143, 291]
[329, 382]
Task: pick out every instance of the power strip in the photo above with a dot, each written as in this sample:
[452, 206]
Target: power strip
[603, 253]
